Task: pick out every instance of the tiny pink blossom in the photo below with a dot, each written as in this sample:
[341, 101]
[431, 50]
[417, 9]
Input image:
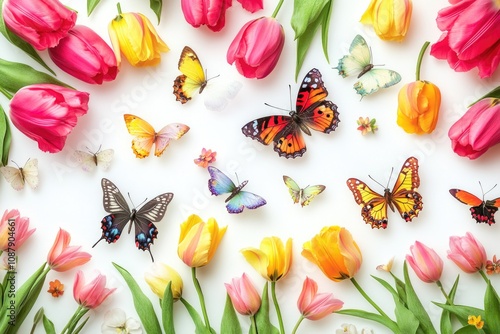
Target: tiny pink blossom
[244, 296]
[63, 257]
[92, 294]
[206, 157]
[425, 262]
[313, 305]
[467, 253]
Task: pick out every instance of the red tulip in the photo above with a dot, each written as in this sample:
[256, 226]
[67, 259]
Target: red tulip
[47, 113]
[471, 30]
[42, 23]
[425, 262]
[211, 13]
[477, 130]
[257, 47]
[92, 294]
[467, 253]
[313, 305]
[85, 55]
[62, 256]
[244, 296]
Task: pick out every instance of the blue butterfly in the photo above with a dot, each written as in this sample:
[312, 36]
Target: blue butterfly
[220, 184]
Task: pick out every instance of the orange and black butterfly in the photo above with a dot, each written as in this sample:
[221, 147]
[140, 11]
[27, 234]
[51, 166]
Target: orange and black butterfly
[404, 196]
[312, 112]
[482, 211]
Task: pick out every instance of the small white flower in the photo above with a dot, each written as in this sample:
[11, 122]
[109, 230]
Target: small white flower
[347, 329]
[116, 322]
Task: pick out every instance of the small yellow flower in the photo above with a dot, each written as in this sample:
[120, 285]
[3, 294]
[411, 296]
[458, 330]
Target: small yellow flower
[158, 278]
[390, 18]
[475, 321]
[387, 266]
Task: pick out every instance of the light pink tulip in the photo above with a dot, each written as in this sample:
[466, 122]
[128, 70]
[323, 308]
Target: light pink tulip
[244, 296]
[92, 294]
[85, 55]
[47, 113]
[313, 305]
[211, 13]
[257, 47]
[471, 30]
[425, 262]
[467, 253]
[62, 256]
[13, 234]
[42, 23]
[252, 5]
[477, 130]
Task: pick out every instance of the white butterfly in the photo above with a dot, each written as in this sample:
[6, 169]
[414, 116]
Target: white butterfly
[219, 92]
[305, 195]
[360, 61]
[88, 160]
[17, 176]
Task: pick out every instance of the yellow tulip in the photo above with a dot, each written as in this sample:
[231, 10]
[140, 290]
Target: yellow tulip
[199, 241]
[390, 18]
[135, 36]
[273, 260]
[158, 278]
[335, 252]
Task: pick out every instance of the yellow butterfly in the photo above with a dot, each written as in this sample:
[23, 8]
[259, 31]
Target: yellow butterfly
[145, 135]
[302, 195]
[192, 77]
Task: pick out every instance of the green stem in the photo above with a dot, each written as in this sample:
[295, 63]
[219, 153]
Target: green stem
[297, 324]
[200, 296]
[483, 274]
[368, 299]
[277, 307]
[277, 9]
[6, 93]
[119, 7]
[448, 300]
[254, 324]
[419, 60]
[75, 316]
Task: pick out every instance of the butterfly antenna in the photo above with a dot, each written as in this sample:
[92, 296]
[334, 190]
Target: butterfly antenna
[290, 93]
[392, 171]
[267, 104]
[376, 181]
[237, 179]
[484, 193]
[151, 254]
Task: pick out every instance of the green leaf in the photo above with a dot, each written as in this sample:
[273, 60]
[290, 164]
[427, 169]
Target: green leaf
[48, 325]
[305, 12]
[406, 320]
[230, 323]
[167, 309]
[198, 323]
[264, 325]
[303, 44]
[91, 5]
[5, 139]
[20, 43]
[462, 312]
[468, 329]
[80, 327]
[491, 309]
[445, 322]
[389, 288]
[400, 287]
[374, 317]
[142, 304]
[415, 306]
[495, 93]
[156, 5]
[36, 319]
[325, 27]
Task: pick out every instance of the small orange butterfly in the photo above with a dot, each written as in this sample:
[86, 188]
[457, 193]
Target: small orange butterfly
[482, 211]
[145, 135]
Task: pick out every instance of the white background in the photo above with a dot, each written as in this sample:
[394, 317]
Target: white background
[70, 198]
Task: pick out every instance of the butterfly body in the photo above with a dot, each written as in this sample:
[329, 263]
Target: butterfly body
[404, 197]
[238, 199]
[18, 176]
[302, 195]
[120, 215]
[312, 112]
[482, 211]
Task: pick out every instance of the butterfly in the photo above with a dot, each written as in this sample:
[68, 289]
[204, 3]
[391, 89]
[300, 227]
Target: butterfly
[17, 176]
[238, 199]
[89, 160]
[359, 60]
[482, 211]
[145, 135]
[193, 79]
[304, 195]
[312, 112]
[404, 196]
[120, 215]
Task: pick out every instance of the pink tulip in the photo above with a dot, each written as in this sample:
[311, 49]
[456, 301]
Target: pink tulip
[425, 262]
[42, 23]
[313, 305]
[14, 233]
[63, 257]
[211, 13]
[477, 130]
[252, 5]
[90, 295]
[257, 47]
[85, 55]
[47, 113]
[467, 253]
[471, 30]
[244, 296]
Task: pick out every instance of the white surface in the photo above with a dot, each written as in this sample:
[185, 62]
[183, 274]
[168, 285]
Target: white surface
[70, 198]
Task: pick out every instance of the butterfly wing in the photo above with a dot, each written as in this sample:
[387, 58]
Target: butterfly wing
[244, 199]
[192, 78]
[144, 135]
[14, 176]
[357, 60]
[293, 188]
[373, 205]
[219, 183]
[482, 212]
[312, 108]
[104, 158]
[373, 80]
[85, 160]
[308, 193]
[219, 93]
[30, 173]
[404, 193]
[166, 134]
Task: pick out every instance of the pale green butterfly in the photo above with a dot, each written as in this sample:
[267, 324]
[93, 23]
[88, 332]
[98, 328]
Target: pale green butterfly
[305, 195]
[359, 60]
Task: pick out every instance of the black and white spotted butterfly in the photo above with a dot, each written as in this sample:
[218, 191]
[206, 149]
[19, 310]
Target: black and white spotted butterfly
[120, 214]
